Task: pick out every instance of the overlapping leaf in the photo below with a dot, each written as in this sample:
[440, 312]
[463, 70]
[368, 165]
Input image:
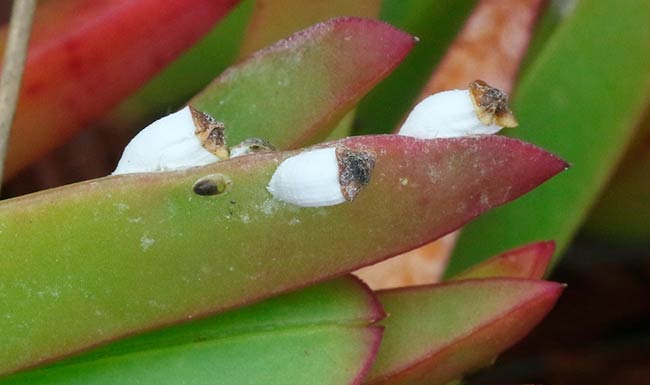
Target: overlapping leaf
[436, 334]
[294, 332]
[529, 261]
[295, 91]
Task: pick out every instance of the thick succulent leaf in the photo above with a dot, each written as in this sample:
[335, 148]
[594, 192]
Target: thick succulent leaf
[435, 23]
[277, 19]
[186, 75]
[260, 338]
[528, 261]
[623, 211]
[581, 98]
[298, 89]
[491, 47]
[344, 301]
[109, 249]
[329, 354]
[552, 17]
[436, 334]
[74, 73]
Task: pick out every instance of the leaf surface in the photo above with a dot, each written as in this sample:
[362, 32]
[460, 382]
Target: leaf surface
[276, 19]
[529, 261]
[298, 89]
[436, 334]
[132, 252]
[621, 213]
[319, 335]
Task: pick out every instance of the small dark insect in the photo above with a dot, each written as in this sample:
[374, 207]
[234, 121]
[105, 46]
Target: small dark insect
[213, 184]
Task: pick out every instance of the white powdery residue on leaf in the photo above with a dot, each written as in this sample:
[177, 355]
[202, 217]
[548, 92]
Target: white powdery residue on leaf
[146, 242]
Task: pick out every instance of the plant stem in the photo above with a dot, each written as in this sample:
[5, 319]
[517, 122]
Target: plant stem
[12, 70]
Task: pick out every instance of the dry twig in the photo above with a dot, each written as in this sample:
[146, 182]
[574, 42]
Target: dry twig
[12, 69]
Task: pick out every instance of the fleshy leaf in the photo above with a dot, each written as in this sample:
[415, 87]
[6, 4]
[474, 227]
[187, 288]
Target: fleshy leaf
[74, 73]
[109, 248]
[344, 301]
[277, 19]
[622, 213]
[435, 23]
[439, 333]
[491, 47]
[328, 355]
[298, 89]
[597, 89]
[528, 261]
[318, 334]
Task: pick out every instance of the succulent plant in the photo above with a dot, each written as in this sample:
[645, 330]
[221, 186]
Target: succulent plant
[221, 249]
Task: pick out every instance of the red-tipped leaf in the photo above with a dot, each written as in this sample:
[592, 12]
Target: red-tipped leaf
[436, 334]
[528, 261]
[133, 252]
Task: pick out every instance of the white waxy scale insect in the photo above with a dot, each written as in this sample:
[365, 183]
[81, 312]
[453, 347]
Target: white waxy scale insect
[479, 110]
[169, 143]
[322, 177]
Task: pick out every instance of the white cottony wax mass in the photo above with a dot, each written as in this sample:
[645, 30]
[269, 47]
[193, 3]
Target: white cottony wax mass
[169, 143]
[479, 110]
[322, 177]
[309, 179]
[447, 114]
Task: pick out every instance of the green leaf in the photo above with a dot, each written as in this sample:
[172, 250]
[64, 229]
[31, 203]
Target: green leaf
[298, 89]
[435, 23]
[621, 213]
[319, 335]
[276, 19]
[528, 261]
[188, 74]
[436, 334]
[128, 253]
[582, 99]
[344, 301]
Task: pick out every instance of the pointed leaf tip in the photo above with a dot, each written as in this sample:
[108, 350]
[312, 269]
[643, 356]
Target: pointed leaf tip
[529, 261]
[432, 186]
[294, 91]
[439, 333]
